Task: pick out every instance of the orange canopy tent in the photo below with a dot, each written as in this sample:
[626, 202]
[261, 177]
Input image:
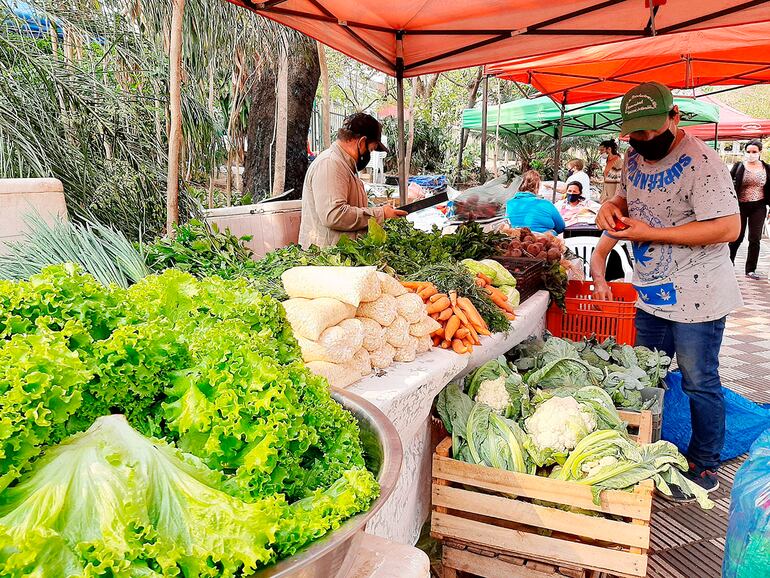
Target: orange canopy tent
[732, 125]
[729, 56]
[407, 38]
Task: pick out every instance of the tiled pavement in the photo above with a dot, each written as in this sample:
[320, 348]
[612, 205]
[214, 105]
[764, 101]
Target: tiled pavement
[687, 541]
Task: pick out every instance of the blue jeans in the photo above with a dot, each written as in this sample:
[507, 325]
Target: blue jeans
[696, 346]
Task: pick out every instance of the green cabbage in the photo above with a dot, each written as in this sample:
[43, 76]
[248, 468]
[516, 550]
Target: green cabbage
[477, 267]
[502, 275]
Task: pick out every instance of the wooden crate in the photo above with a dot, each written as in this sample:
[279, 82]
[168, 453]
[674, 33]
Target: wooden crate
[487, 522]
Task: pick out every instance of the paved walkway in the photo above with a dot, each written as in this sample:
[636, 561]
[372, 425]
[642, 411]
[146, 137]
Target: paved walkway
[686, 541]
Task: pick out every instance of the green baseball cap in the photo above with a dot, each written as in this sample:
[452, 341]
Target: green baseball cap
[645, 107]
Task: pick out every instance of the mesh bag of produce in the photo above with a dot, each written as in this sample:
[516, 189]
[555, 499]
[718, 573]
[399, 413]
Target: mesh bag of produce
[397, 333]
[353, 285]
[374, 333]
[336, 344]
[383, 310]
[311, 317]
[485, 201]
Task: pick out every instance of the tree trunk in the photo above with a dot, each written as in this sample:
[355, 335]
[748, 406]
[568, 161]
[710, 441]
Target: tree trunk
[497, 132]
[54, 40]
[260, 129]
[282, 124]
[410, 141]
[304, 73]
[175, 105]
[326, 111]
[473, 92]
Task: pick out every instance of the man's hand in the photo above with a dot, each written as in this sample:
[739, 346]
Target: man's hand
[607, 215]
[393, 213]
[602, 291]
[634, 231]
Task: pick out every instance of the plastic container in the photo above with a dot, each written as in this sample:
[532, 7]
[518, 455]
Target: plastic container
[271, 224]
[656, 393]
[21, 197]
[528, 273]
[586, 316]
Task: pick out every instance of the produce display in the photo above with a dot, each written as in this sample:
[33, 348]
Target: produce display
[456, 322]
[569, 433]
[494, 279]
[230, 455]
[350, 320]
[474, 208]
[621, 370]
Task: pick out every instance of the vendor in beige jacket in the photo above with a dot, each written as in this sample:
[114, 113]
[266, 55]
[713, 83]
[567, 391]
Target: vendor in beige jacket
[334, 201]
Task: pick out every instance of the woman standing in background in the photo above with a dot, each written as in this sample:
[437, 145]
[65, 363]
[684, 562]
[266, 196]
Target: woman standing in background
[612, 169]
[751, 179]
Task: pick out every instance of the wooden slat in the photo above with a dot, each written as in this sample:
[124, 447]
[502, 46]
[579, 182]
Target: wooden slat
[486, 567]
[619, 503]
[541, 516]
[632, 418]
[541, 547]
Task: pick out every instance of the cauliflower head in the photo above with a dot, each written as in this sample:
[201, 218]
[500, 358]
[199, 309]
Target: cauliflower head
[559, 424]
[492, 393]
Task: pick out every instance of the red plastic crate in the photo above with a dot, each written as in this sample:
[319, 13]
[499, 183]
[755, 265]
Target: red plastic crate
[586, 316]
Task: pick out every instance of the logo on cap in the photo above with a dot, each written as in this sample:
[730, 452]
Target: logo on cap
[639, 103]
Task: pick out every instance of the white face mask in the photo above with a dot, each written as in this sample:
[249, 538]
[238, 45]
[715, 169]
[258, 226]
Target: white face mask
[752, 157]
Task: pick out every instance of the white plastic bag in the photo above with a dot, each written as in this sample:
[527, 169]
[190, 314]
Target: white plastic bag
[337, 374]
[397, 333]
[336, 344]
[382, 357]
[383, 310]
[411, 307]
[311, 317]
[352, 285]
[408, 352]
[374, 333]
[424, 344]
[363, 362]
[425, 327]
[390, 286]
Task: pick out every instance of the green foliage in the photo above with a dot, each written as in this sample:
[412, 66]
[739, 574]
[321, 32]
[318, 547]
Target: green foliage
[210, 365]
[101, 251]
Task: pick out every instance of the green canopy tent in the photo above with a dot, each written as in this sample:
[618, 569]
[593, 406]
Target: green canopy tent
[541, 115]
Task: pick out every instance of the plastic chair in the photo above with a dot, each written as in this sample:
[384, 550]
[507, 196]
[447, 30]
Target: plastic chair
[584, 248]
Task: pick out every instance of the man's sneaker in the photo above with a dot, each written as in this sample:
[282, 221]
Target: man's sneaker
[755, 276]
[677, 495]
[706, 479]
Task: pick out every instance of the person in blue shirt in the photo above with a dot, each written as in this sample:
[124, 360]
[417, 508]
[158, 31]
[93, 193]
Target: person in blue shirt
[525, 209]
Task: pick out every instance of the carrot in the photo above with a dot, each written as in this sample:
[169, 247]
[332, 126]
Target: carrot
[427, 292]
[434, 316]
[511, 316]
[439, 333]
[468, 308]
[480, 282]
[481, 330]
[453, 298]
[436, 297]
[459, 312]
[446, 344]
[473, 335]
[462, 333]
[484, 278]
[436, 341]
[445, 314]
[458, 346]
[451, 327]
[410, 284]
[502, 304]
[438, 306]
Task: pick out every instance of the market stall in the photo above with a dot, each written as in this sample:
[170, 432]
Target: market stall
[405, 393]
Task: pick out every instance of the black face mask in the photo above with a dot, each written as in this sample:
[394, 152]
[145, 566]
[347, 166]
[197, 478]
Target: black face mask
[656, 148]
[574, 198]
[363, 159]
[570, 172]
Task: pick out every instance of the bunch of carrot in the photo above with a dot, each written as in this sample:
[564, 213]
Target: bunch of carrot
[498, 297]
[461, 323]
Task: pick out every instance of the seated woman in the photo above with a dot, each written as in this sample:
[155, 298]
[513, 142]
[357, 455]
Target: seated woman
[574, 205]
[525, 209]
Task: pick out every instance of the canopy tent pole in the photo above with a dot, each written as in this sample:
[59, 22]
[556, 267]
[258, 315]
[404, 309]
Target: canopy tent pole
[483, 171]
[716, 135]
[460, 154]
[401, 152]
[557, 153]
[175, 111]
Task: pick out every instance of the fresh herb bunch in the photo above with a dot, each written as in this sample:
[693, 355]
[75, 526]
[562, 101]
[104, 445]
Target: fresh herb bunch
[455, 277]
[202, 251]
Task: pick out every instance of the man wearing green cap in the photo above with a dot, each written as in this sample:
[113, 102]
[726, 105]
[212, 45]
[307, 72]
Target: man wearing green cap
[677, 205]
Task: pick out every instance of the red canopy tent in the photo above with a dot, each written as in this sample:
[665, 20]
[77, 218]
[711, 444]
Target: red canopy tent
[729, 56]
[733, 124]
[412, 37]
